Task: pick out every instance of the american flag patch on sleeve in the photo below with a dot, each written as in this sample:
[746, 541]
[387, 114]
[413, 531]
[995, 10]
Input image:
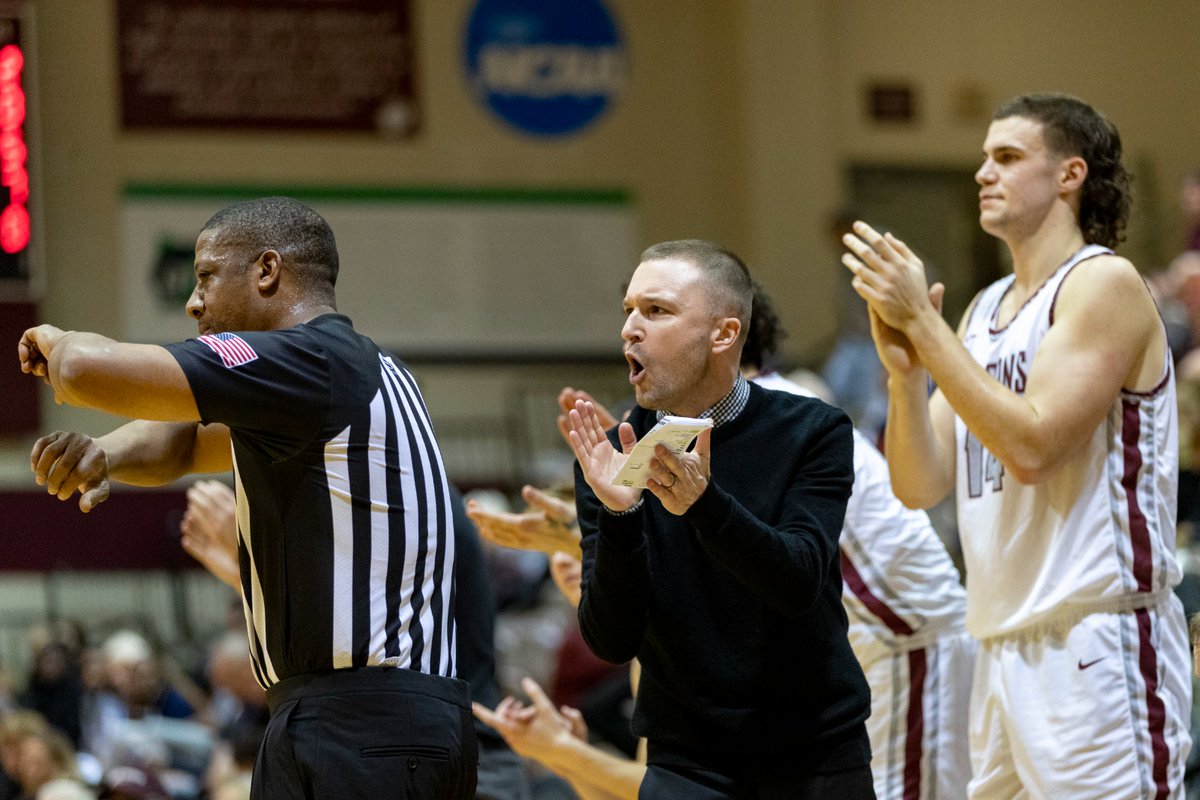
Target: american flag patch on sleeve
[233, 349]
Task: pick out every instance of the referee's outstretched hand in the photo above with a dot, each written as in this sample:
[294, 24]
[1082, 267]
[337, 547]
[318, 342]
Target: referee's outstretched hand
[66, 462]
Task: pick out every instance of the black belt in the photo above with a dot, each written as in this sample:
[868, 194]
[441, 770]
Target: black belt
[367, 679]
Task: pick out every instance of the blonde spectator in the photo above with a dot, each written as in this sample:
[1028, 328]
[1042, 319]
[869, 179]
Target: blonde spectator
[44, 757]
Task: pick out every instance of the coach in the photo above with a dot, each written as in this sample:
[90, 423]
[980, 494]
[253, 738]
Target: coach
[722, 578]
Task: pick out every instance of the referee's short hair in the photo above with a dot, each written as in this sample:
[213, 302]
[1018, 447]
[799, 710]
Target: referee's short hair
[300, 235]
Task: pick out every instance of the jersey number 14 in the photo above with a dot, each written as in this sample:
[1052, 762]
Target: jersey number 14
[982, 466]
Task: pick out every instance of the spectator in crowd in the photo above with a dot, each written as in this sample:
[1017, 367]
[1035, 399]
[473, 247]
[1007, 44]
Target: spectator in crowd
[136, 674]
[133, 783]
[55, 687]
[1190, 200]
[45, 756]
[15, 728]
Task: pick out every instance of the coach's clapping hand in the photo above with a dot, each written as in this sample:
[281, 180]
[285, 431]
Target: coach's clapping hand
[679, 480]
[598, 459]
[66, 462]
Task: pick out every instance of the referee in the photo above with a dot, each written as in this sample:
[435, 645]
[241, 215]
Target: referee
[345, 537]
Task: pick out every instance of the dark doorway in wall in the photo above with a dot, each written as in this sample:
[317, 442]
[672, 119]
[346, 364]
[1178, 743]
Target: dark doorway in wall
[936, 212]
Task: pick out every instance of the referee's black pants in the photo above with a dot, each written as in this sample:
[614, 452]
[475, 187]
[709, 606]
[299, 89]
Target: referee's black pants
[376, 732]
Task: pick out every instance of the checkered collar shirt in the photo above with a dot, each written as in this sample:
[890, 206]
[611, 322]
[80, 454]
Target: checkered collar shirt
[728, 407]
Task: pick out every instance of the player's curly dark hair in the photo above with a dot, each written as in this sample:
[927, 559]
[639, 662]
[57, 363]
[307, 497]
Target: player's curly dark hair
[766, 331]
[1071, 127]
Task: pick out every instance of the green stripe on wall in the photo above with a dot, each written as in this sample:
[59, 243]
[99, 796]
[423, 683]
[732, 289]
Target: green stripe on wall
[501, 195]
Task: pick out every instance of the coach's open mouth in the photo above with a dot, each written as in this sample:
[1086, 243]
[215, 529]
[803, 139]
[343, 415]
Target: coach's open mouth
[636, 370]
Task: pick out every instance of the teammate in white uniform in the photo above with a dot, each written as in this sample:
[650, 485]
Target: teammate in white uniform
[906, 607]
[1054, 419]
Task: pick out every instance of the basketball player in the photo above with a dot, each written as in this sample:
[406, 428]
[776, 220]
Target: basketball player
[343, 510]
[1054, 422]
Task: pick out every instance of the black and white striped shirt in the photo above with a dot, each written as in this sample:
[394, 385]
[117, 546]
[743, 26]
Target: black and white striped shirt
[345, 532]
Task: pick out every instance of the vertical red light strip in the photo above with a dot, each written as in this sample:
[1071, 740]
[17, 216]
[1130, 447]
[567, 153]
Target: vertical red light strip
[14, 219]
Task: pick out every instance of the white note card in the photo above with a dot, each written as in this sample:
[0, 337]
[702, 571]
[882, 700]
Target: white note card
[675, 433]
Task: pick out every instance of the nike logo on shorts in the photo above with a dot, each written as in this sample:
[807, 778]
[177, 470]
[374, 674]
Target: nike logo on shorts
[1090, 663]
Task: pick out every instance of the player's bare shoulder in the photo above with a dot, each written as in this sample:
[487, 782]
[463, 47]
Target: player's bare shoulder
[1104, 284]
[1106, 299]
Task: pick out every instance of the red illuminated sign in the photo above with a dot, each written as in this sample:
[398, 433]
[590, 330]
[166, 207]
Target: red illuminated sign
[14, 218]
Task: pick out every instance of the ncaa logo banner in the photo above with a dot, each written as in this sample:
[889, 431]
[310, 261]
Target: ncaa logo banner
[545, 67]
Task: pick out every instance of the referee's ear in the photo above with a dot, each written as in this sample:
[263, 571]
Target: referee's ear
[269, 266]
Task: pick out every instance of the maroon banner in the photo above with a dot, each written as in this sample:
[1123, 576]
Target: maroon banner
[133, 529]
[291, 64]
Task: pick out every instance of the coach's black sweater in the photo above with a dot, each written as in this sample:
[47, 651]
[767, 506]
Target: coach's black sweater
[734, 609]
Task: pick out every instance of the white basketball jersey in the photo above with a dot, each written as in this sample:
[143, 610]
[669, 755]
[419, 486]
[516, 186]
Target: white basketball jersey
[1099, 534]
[900, 587]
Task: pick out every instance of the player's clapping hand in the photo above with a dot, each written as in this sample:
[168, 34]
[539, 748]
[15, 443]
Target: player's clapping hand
[889, 276]
[567, 398]
[67, 462]
[209, 530]
[547, 526]
[535, 731]
[892, 280]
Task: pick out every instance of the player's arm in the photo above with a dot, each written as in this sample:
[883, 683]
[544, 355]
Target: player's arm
[919, 436]
[209, 531]
[1105, 335]
[548, 526]
[92, 371]
[593, 773]
[598, 775]
[920, 429]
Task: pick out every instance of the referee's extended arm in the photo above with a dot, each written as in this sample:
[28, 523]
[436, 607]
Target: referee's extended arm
[140, 453]
[139, 381]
